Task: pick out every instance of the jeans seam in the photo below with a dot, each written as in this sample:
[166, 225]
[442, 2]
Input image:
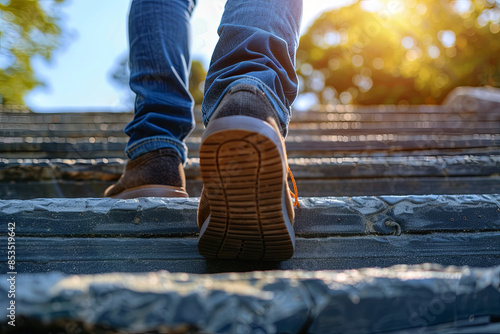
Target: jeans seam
[140, 143]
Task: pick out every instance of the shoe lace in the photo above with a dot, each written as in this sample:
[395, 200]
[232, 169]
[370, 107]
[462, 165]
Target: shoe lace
[294, 193]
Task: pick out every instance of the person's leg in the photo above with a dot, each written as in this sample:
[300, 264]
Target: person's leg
[246, 211]
[159, 34]
[257, 45]
[159, 37]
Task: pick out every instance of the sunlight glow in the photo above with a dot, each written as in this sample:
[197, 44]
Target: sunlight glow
[408, 42]
[447, 38]
[372, 5]
[386, 7]
[462, 6]
[373, 46]
[378, 63]
[433, 51]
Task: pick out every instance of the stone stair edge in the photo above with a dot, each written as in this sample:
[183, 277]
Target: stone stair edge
[305, 146]
[307, 167]
[375, 215]
[278, 301]
[103, 204]
[320, 108]
[193, 161]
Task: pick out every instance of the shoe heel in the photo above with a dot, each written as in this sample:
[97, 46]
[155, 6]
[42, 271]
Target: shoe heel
[245, 183]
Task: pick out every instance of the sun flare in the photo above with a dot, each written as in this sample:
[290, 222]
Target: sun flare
[388, 51]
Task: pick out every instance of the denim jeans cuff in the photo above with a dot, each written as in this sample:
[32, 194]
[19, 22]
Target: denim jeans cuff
[282, 112]
[154, 143]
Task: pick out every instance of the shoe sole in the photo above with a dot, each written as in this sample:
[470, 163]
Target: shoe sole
[242, 163]
[151, 190]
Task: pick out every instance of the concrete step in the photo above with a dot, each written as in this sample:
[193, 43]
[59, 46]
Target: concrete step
[105, 235]
[335, 151]
[35, 131]
[297, 146]
[303, 168]
[306, 188]
[58, 121]
[464, 109]
[415, 299]
[345, 120]
[356, 176]
[74, 125]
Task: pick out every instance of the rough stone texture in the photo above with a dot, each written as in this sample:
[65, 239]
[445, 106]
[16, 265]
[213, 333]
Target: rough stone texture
[384, 215]
[105, 235]
[309, 123]
[303, 146]
[427, 298]
[307, 187]
[342, 176]
[128, 253]
[61, 169]
[484, 100]
[470, 119]
[102, 235]
[302, 168]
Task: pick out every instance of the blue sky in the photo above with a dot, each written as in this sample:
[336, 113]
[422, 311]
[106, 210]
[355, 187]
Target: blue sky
[79, 74]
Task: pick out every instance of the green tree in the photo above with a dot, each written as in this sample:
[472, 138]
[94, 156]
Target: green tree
[28, 28]
[197, 81]
[389, 51]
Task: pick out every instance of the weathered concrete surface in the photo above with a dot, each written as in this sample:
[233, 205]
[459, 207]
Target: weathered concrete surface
[484, 100]
[105, 235]
[318, 113]
[383, 186]
[92, 255]
[341, 176]
[329, 216]
[420, 299]
[309, 123]
[83, 147]
[302, 168]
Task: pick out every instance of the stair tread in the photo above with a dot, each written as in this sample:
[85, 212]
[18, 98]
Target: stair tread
[466, 298]
[307, 167]
[325, 216]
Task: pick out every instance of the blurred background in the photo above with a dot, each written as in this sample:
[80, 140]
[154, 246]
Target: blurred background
[64, 55]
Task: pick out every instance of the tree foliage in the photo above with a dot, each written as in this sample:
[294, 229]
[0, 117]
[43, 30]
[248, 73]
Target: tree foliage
[197, 81]
[393, 51]
[27, 29]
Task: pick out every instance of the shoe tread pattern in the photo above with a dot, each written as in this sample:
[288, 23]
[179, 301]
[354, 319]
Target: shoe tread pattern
[243, 177]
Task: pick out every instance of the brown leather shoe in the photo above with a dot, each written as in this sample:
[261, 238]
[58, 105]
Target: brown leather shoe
[245, 210]
[155, 174]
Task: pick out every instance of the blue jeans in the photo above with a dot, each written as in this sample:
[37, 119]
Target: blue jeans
[257, 44]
